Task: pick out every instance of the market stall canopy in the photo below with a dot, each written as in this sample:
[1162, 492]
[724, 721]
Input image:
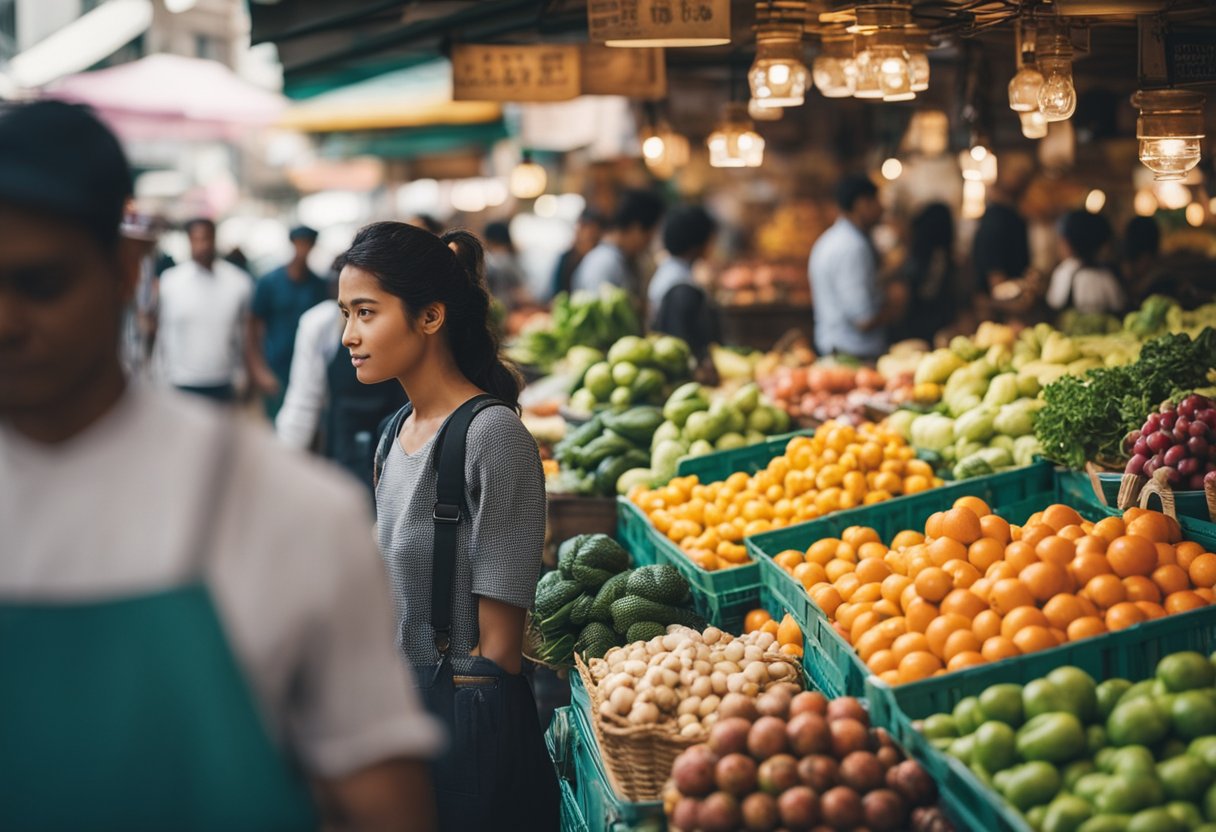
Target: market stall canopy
[419, 96]
[172, 96]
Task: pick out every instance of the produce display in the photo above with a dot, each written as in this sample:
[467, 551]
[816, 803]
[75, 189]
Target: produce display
[799, 762]
[593, 457]
[1179, 441]
[840, 467]
[688, 679]
[788, 633]
[974, 589]
[1074, 755]
[827, 390]
[635, 370]
[582, 319]
[593, 601]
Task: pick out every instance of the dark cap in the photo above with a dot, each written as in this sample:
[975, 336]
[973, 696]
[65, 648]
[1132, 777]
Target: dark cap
[302, 232]
[59, 158]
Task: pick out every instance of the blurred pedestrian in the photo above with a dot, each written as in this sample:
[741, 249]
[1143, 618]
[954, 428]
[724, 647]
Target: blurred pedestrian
[851, 308]
[194, 620]
[279, 299]
[460, 502]
[1005, 281]
[678, 305]
[614, 261]
[504, 277]
[930, 275]
[1082, 281]
[1141, 255]
[587, 233]
[202, 318]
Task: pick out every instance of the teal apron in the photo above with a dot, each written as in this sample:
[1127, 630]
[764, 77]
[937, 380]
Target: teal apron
[133, 714]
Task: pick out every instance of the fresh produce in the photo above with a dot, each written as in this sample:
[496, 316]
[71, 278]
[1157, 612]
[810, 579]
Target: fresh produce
[1088, 418]
[1179, 441]
[974, 589]
[636, 370]
[799, 762]
[593, 601]
[594, 456]
[689, 679]
[788, 633]
[840, 467]
[830, 390]
[1073, 755]
[583, 319]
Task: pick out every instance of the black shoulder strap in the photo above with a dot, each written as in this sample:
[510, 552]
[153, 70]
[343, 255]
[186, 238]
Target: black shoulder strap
[449, 511]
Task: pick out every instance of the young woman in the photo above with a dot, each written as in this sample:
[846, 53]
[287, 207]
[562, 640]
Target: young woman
[417, 310]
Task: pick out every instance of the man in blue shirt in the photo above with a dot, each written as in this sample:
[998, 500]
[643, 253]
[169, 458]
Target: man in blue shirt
[614, 261]
[279, 299]
[851, 312]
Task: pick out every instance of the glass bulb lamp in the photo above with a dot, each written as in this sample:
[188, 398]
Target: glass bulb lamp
[918, 63]
[778, 77]
[528, 179]
[665, 151]
[1170, 131]
[1024, 89]
[894, 73]
[834, 73]
[868, 80]
[758, 112]
[1034, 125]
[735, 143]
[1057, 96]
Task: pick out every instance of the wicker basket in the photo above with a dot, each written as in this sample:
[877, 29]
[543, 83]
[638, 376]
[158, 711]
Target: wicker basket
[638, 758]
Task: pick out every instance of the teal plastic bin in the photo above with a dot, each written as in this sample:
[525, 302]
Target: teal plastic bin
[635, 532]
[718, 466]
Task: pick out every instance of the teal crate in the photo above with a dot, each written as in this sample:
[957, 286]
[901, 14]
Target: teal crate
[634, 532]
[717, 593]
[718, 466]
[1189, 504]
[572, 819]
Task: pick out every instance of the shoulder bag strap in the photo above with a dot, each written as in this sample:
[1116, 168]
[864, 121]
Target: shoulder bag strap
[387, 438]
[450, 511]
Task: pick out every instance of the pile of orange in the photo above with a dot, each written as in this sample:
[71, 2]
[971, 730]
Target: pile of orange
[839, 467]
[788, 633]
[974, 589]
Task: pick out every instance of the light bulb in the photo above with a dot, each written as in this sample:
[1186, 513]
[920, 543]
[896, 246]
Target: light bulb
[894, 75]
[891, 169]
[1034, 124]
[528, 180]
[869, 79]
[1024, 89]
[653, 148]
[1145, 203]
[735, 144]
[1169, 159]
[1195, 214]
[1095, 201]
[979, 153]
[779, 74]
[759, 112]
[834, 77]
[778, 77]
[1057, 96]
[918, 64]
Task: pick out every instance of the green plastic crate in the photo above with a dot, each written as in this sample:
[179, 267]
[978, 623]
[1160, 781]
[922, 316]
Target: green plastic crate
[635, 532]
[716, 593]
[750, 459]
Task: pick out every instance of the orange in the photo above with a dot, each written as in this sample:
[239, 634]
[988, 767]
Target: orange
[933, 526]
[1009, 594]
[1140, 588]
[893, 586]
[1073, 533]
[862, 624]
[933, 584]
[893, 628]
[999, 647]
[857, 535]
[969, 658]
[1186, 552]
[1150, 609]
[1132, 555]
[1087, 566]
[755, 620]
[1203, 570]
[1058, 516]
[827, 599]
[866, 593]
[941, 628]
[961, 641]
[1056, 549]
[1086, 626]
[1151, 524]
[887, 609]
[962, 524]
[871, 549]
[985, 552]
[1063, 609]
[946, 549]
[1109, 528]
[1166, 554]
[961, 572]
[907, 538]
[836, 568]
[1045, 580]
[822, 551]
[771, 628]
[995, 527]
[870, 642]
[986, 625]
[1171, 578]
[1019, 555]
[919, 614]
[963, 602]
[1183, 601]
[909, 643]
[1000, 570]
[1091, 544]
[975, 504]
[1175, 530]
[792, 650]
[1106, 591]
[1206, 593]
[1034, 638]
[981, 588]
[789, 632]
[918, 665]
[881, 661]
[908, 596]
[847, 613]
[1132, 513]
[1124, 615]
[846, 585]
[872, 570]
[1021, 618]
[1033, 533]
[891, 677]
[845, 551]
[789, 559]
[809, 573]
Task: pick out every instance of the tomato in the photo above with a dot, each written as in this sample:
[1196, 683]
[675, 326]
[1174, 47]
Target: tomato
[1066, 814]
[962, 748]
[1193, 714]
[1186, 671]
[1109, 693]
[1184, 778]
[1003, 703]
[1188, 813]
[1054, 738]
[1136, 722]
[995, 746]
[1078, 689]
[1030, 784]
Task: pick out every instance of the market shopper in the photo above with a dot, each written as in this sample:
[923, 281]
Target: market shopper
[930, 274]
[202, 319]
[460, 504]
[279, 299]
[504, 277]
[1082, 281]
[587, 233]
[1006, 284]
[678, 305]
[614, 262]
[195, 622]
[852, 309]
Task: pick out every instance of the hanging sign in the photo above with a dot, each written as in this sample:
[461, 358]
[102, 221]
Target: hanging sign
[1191, 54]
[635, 73]
[545, 72]
[659, 22]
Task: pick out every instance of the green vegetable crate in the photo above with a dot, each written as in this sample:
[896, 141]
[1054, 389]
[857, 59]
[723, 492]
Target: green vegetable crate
[635, 532]
[718, 466]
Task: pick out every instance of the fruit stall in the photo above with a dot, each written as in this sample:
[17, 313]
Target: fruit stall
[971, 587]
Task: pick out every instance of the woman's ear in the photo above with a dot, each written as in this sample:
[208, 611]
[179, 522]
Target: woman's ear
[432, 318]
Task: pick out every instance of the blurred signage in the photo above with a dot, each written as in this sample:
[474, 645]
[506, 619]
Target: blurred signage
[659, 22]
[543, 72]
[636, 73]
[1191, 55]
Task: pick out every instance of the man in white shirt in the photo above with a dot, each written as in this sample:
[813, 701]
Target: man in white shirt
[1082, 281]
[203, 315]
[198, 631]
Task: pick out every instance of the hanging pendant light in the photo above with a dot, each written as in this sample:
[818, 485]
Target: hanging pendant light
[1025, 84]
[664, 150]
[758, 112]
[778, 77]
[1170, 131]
[1057, 96]
[1034, 124]
[834, 72]
[528, 179]
[867, 82]
[918, 60]
[978, 164]
[735, 142]
[884, 63]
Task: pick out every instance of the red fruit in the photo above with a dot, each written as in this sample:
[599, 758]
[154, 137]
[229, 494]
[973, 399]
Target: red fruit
[799, 808]
[846, 707]
[766, 737]
[848, 735]
[808, 733]
[809, 701]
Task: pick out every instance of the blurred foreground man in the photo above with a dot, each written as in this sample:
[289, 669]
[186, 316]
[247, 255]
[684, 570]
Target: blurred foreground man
[195, 629]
